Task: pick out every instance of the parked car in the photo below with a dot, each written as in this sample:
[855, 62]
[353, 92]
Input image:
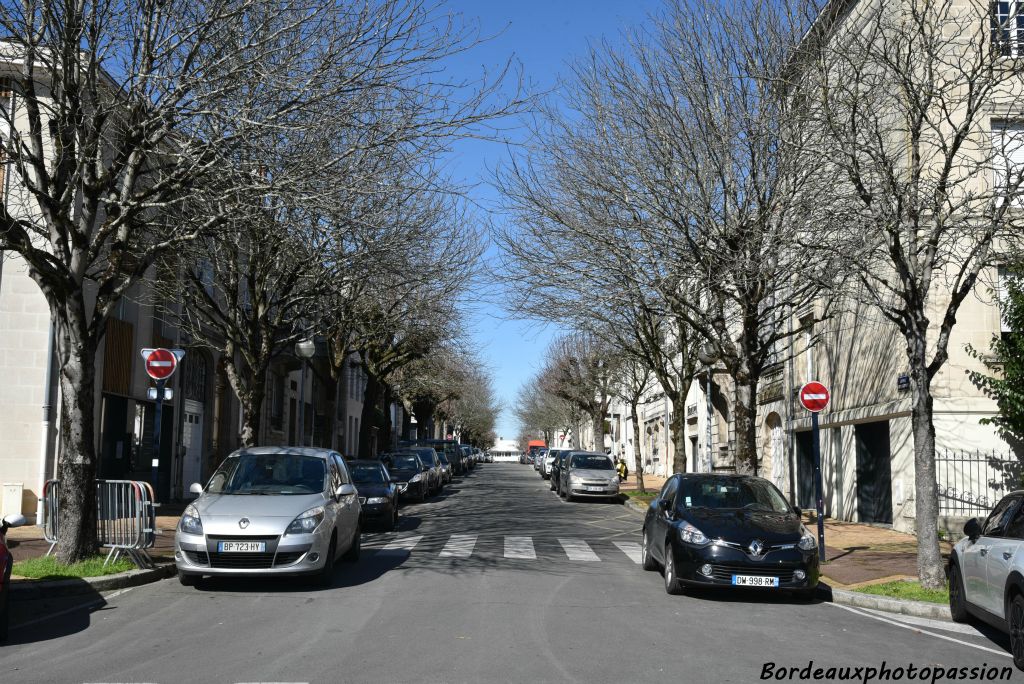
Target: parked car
[270, 511]
[467, 456]
[556, 468]
[452, 452]
[588, 474]
[435, 474]
[6, 565]
[985, 567]
[378, 495]
[549, 460]
[446, 467]
[710, 530]
[538, 459]
[408, 470]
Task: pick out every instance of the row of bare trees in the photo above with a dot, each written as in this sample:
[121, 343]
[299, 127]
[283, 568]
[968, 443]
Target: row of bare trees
[276, 161]
[742, 171]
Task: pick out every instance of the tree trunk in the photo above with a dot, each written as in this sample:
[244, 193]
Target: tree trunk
[219, 408]
[370, 418]
[677, 428]
[926, 501]
[638, 456]
[744, 422]
[597, 418]
[252, 413]
[76, 533]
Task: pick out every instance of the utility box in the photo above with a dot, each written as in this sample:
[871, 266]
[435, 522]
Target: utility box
[10, 501]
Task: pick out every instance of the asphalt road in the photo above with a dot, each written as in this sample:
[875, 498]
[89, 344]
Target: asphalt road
[497, 580]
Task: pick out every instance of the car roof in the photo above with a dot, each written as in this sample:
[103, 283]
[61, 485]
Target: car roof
[588, 453]
[285, 450]
[365, 461]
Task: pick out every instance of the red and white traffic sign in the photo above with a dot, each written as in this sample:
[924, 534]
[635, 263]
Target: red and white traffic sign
[160, 363]
[814, 396]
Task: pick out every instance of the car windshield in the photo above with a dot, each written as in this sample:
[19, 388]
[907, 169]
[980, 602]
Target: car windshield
[269, 474]
[756, 495]
[404, 462]
[443, 457]
[591, 462]
[426, 457]
[367, 474]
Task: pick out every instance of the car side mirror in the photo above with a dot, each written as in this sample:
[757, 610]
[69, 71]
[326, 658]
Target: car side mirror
[664, 504]
[14, 520]
[345, 490]
[972, 528]
[195, 488]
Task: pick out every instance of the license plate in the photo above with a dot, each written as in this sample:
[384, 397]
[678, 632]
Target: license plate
[241, 547]
[595, 489]
[754, 581]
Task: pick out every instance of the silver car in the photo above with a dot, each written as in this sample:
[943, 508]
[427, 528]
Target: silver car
[588, 474]
[270, 511]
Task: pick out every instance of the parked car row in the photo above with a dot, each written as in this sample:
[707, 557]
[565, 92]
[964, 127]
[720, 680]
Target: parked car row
[577, 474]
[297, 510]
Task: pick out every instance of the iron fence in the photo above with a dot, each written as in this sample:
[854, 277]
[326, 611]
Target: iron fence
[971, 482]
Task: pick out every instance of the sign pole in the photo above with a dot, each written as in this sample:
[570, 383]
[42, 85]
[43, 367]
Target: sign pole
[157, 424]
[816, 449]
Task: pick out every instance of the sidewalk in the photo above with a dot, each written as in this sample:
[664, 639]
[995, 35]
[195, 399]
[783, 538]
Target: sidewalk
[28, 542]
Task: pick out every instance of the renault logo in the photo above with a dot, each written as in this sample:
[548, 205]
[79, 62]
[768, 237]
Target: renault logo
[756, 547]
[243, 523]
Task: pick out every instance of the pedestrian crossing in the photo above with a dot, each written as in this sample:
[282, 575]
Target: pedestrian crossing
[513, 547]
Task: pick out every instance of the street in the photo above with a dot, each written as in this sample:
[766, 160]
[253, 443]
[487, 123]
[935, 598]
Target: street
[496, 580]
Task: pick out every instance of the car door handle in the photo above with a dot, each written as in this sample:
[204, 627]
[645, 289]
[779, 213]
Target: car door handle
[1007, 555]
[983, 552]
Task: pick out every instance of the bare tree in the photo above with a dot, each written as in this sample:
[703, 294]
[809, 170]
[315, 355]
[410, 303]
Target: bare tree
[580, 369]
[634, 381]
[122, 116]
[912, 103]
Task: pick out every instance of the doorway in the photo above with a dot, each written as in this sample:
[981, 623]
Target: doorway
[192, 442]
[874, 472]
[805, 470]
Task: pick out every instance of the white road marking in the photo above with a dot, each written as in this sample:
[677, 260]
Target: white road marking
[459, 546]
[404, 544]
[927, 622]
[921, 631]
[520, 547]
[578, 550]
[631, 549]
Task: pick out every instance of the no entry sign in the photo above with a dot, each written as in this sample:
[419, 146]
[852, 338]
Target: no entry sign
[814, 396]
[160, 363]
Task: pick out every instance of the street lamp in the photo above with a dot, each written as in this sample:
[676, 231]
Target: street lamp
[708, 355]
[304, 349]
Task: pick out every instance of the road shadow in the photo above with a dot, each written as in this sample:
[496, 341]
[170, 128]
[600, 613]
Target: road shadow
[371, 566]
[37, 616]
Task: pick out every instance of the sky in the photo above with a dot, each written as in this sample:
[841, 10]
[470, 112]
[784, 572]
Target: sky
[544, 36]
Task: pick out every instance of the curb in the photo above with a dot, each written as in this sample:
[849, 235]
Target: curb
[635, 507]
[934, 611]
[25, 590]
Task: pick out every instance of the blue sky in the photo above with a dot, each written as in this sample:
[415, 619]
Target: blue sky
[544, 36]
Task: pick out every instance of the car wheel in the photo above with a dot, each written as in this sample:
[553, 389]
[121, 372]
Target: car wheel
[672, 584]
[5, 613]
[187, 580]
[326, 577]
[957, 602]
[1015, 622]
[647, 561]
[352, 555]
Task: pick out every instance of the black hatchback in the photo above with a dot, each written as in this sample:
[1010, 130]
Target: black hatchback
[378, 494]
[710, 530]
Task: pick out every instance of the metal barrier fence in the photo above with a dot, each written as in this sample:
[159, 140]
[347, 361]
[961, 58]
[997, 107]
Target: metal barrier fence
[971, 483]
[125, 518]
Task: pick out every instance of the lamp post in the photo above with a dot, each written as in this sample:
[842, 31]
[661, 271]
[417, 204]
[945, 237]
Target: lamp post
[304, 349]
[708, 356]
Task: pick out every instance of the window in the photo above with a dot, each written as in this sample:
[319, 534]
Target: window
[276, 401]
[1008, 27]
[668, 491]
[1015, 529]
[1008, 159]
[997, 519]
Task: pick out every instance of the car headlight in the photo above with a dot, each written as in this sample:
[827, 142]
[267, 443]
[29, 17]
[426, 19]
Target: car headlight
[808, 542]
[377, 500]
[691, 535]
[190, 521]
[307, 522]
[416, 478]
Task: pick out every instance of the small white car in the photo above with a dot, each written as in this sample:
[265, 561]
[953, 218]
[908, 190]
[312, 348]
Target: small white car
[986, 572]
[270, 511]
